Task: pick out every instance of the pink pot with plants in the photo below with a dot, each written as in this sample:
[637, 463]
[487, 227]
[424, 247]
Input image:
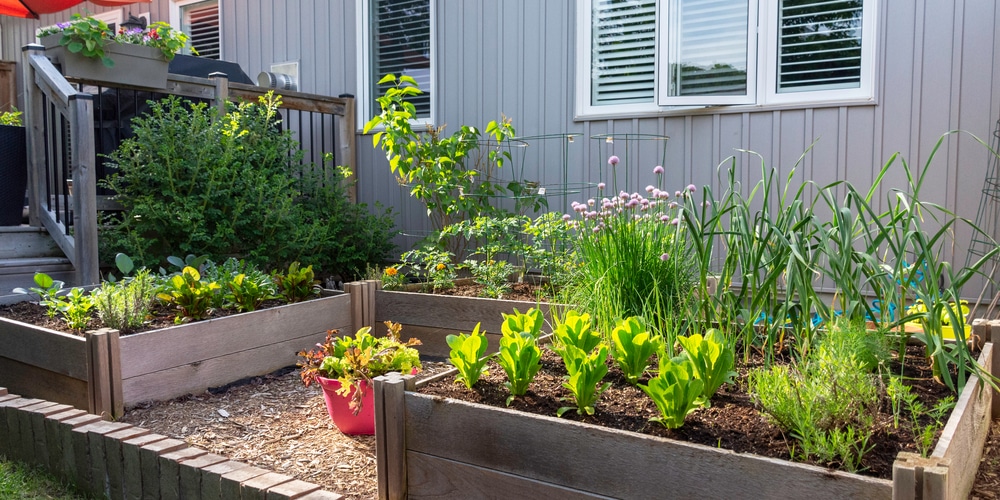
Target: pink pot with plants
[339, 407]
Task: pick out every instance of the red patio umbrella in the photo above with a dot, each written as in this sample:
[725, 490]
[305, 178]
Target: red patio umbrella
[32, 8]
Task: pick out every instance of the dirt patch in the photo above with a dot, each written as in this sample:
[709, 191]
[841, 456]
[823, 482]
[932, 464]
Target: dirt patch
[987, 485]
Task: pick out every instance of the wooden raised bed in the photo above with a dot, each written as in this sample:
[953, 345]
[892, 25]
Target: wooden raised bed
[430, 446]
[430, 317]
[103, 372]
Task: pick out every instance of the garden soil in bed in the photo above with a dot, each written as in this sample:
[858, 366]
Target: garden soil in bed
[732, 422]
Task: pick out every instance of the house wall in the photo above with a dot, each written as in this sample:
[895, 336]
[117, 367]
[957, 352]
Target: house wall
[936, 72]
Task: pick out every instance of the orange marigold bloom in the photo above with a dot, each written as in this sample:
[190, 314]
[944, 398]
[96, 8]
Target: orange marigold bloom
[391, 271]
[440, 267]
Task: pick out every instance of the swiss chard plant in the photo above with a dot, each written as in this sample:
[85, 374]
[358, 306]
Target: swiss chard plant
[247, 294]
[298, 284]
[191, 296]
[468, 356]
[585, 372]
[76, 308]
[520, 359]
[632, 346]
[711, 359]
[675, 391]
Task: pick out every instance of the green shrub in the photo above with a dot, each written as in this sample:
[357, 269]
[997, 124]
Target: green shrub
[192, 183]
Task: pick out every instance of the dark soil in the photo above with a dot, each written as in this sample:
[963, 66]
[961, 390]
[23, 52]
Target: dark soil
[987, 484]
[160, 316]
[519, 291]
[732, 422]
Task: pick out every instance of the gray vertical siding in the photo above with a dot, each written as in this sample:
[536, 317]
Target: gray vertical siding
[936, 72]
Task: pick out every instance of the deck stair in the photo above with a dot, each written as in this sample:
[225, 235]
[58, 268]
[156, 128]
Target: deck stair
[25, 250]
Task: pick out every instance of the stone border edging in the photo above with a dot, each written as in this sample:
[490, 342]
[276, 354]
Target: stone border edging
[118, 460]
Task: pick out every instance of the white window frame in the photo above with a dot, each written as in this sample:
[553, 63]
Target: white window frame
[365, 100]
[762, 44]
[177, 24]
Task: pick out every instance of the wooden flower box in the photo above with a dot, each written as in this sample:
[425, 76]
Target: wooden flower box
[429, 446]
[135, 65]
[102, 372]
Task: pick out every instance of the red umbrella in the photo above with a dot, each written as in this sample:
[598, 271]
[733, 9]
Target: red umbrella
[32, 8]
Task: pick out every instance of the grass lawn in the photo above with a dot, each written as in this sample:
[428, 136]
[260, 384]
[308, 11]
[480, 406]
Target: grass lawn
[18, 480]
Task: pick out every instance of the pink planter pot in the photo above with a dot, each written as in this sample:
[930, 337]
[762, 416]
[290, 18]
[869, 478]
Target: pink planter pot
[341, 413]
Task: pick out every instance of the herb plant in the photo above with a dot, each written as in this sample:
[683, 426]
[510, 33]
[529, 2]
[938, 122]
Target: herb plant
[494, 275]
[675, 391]
[189, 295]
[585, 372]
[124, 305]
[468, 356]
[520, 359]
[632, 346]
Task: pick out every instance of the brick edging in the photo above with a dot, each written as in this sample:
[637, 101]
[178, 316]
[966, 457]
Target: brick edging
[118, 460]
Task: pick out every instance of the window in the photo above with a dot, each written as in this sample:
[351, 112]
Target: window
[200, 20]
[396, 38]
[647, 55]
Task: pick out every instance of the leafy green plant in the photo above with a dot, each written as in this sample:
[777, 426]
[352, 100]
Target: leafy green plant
[76, 307]
[124, 305]
[632, 346]
[357, 359]
[712, 361]
[925, 423]
[235, 186]
[434, 265]
[189, 295]
[297, 284]
[585, 372]
[246, 293]
[392, 279]
[88, 36]
[575, 329]
[467, 355]
[520, 359]
[12, 118]
[529, 322]
[675, 391]
[494, 275]
[47, 290]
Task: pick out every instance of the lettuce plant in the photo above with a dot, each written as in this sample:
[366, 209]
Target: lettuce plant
[586, 370]
[467, 354]
[191, 296]
[298, 284]
[711, 359]
[675, 391]
[632, 347]
[520, 359]
[577, 330]
[529, 322]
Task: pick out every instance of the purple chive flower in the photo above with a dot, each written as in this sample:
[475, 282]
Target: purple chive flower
[566, 217]
[632, 203]
[657, 170]
[601, 185]
[664, 195]
[708, 203]
[590, 202]
[677, 194]
[656, 192]
[664, 256]
[623, 195]
[675, 221]
[613, 160]
[673, 204]
[691, 188]
[664, 218]
[650, 188]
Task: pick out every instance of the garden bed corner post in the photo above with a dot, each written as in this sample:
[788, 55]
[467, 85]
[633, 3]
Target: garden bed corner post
[105, 373]
[390, 434]
[362, 302]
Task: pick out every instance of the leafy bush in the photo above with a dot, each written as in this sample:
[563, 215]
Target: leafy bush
[192, 183]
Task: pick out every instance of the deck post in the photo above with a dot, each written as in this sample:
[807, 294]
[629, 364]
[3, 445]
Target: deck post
[390, 435]
[82, 156]
[221, 91]
[346, 156]
[34, 112]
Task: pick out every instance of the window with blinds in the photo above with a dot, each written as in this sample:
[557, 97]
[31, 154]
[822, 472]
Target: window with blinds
[201, 23]
[819, 45]
[707, 47]
[401, 44]
[624, 51]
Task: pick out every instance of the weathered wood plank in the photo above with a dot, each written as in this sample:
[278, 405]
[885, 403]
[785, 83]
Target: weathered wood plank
[523, 445]
[433, 341]
[964, 435]
[434, 477]
[183, 345]
[99, 388]
[83, 167]
[292, 100]
[32, 381]
[906, 478]
[443, 311]
[64, 354]
[197, 376]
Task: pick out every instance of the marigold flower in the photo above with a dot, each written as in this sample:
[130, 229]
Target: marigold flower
[391, 271]
[440, 267]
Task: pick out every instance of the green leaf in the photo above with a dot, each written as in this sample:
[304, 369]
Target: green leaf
[387, 78]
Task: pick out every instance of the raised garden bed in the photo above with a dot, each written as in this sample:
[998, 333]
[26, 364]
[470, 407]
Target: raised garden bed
[434, 446]
[102, 372]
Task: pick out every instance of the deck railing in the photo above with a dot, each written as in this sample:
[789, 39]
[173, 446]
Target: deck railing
[65, 158]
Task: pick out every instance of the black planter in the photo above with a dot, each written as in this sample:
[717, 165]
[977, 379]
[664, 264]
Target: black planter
[13, 174]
